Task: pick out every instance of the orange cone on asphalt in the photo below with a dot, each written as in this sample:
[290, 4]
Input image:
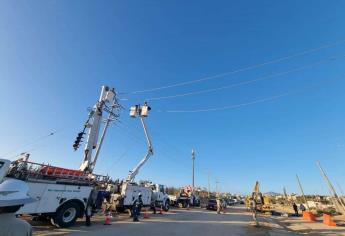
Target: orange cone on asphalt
[307, 215]
[327, 220]
[107, 219]
[146, 214]
[161, 210]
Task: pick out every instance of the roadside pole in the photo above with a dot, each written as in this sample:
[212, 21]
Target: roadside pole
[300, 186]
[331, 188]
[193, 159]
[209, 184]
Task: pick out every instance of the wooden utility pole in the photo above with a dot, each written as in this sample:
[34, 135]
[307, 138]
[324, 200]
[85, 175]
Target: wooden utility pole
[209, 184]
[193, 159]
[300, 186]
[331, 188]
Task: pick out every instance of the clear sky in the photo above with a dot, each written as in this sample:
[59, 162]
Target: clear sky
[55, 55]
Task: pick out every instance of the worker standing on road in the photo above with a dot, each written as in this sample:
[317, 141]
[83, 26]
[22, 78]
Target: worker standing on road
[253, 209]
[13, 195]
[137, 205]
[140, 200]
[219, 205]
[295, 208]
[302, 207]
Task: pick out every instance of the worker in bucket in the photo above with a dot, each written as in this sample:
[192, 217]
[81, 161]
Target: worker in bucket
[13, 195]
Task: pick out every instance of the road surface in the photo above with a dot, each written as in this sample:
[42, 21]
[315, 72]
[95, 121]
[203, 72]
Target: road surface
[196, 221]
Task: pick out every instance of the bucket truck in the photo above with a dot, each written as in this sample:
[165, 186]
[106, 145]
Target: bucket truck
[127, 191]
[63, 194]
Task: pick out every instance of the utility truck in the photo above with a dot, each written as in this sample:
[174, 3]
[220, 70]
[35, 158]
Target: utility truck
[125, 193]
[63, 194]
[187, 197]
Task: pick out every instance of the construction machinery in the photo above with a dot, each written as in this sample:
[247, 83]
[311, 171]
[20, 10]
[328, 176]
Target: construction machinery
[125, 193]
[63, 194]
[187, 197]
[262, 202]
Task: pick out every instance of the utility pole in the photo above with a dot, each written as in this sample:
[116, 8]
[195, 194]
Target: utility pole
[193, 159]
[341, 190]
[209, 185]
[300, 186]
[331, 188]
[217, 190]
[285, 194]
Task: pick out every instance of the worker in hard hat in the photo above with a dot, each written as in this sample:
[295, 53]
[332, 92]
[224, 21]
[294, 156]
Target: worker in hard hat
[13, 195]
[137, 204]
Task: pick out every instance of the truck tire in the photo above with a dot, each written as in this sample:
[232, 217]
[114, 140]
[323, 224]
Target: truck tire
[166, 205]
[66, 215]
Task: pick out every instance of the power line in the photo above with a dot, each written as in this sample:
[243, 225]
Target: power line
[238, 105]
[301, 53]
[333, 58]
[30, 143]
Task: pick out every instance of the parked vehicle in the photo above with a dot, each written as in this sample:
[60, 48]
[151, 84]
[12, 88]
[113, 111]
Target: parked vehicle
[63, 194]
[211, 204]
[187, 197]
[231, 202]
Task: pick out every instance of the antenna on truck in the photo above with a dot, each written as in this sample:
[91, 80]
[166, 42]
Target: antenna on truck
[142, 112]
[107, 103]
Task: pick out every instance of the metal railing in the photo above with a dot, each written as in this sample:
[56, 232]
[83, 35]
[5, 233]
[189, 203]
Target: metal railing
[27, 170]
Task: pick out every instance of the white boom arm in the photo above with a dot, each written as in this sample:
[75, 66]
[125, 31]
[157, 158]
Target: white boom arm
[94, 123]
[142, 113]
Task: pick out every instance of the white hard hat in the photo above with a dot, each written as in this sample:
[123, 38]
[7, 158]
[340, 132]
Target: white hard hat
[14, 192]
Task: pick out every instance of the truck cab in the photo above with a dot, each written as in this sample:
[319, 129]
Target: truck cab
[160, 196]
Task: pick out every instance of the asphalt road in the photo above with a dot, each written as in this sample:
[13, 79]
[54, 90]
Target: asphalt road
[236, 221]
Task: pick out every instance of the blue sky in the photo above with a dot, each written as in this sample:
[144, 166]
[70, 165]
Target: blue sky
[55, 55]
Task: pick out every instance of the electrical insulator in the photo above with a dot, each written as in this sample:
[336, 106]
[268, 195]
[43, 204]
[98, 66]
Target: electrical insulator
[78, 140]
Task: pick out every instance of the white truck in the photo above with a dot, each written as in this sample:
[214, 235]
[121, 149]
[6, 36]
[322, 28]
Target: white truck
[63, 194]
[127, 192]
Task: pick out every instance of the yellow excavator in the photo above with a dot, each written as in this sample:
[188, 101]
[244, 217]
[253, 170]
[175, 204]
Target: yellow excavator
[262, 202]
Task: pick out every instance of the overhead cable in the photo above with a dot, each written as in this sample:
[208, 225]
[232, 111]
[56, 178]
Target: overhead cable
[262, 100]
[298, 54]
[246, 82]
[29, 143]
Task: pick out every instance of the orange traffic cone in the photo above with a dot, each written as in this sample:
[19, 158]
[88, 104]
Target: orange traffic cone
[146, 214]
[161, 210]
[107, 219]
[307, 215]
[327, 220]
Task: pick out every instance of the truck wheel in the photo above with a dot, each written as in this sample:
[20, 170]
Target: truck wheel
[166, 206]
[67, 215]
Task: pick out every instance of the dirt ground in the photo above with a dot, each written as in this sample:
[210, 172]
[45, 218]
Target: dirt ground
[197, 221]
